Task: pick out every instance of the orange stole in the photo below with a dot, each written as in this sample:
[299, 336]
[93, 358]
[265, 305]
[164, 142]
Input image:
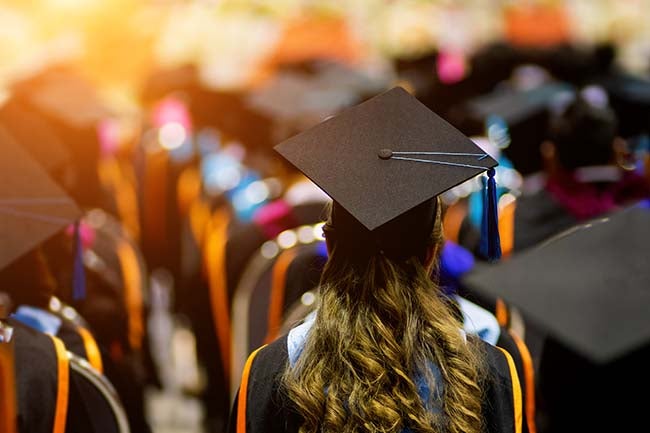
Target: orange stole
[132, 292]
[529, 380]
[8, 410]
[278, 287]
[215, 268]
[63, 386]
[243, 393]
[516, 392]
[92, 350]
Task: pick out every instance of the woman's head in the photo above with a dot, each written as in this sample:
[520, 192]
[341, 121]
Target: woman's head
[28, 281]
[381, 326]
[416, 233]
[583, 134]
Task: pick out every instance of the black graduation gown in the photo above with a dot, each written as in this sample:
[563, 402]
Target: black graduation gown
[41, 394]
[78, 340]
[579, 395]
[72, 338]
[105, 310]
[303, 274]
[523, 362]
[36, 379]
[244, 239]
[263, 410]
[537, 218]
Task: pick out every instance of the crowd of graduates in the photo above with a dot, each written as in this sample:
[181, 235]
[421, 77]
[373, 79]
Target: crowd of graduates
[93, 205]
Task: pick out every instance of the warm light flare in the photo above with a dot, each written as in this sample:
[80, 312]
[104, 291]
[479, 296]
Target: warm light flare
[172, 135]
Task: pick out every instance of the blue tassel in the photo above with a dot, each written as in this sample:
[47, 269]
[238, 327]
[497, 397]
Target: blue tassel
[490, 247]
[78, 274]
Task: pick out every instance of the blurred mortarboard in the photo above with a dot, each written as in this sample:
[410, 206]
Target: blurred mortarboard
[63, 95]
[35, 134]
[516, 106]
[630, 98]
[385, 156]
[302, 99]
[32, 206]
[588, 287]
[526, 115]
[72, 107]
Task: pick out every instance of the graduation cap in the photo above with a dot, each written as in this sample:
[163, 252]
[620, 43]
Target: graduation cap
[630, 98]
[588, 288]
[388, 155]
[72, 108]
[64, 95]
[301, 99]
[32, 207]
[35, 134]
[515, 106]
[526, 115]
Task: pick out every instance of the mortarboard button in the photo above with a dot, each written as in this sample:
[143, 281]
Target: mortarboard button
[385, 154]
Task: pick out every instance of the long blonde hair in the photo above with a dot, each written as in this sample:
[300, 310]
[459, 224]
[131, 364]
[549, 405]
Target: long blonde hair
[383, 324]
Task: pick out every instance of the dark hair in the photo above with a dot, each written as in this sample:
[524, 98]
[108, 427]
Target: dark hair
[583, 134]
[406, 236]
[28, 281]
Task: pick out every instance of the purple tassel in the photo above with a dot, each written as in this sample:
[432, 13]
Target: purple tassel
[78, 273]
[490, 247]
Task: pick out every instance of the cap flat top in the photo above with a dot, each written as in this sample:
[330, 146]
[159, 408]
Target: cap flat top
[590, 288]
[32, 206]
[66, 96]
[341, 156]
[516, 106]
[34, 134]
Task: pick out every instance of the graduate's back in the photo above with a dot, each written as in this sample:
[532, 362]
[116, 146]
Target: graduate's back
[385, 350]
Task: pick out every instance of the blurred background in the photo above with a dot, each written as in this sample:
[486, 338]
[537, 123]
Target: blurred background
[159, 118]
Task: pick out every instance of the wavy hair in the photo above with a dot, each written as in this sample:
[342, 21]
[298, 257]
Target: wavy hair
[381, 325]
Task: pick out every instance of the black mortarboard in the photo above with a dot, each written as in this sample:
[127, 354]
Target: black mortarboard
[64, 95]
[32, 131]
[384, 157]
[526, 114]
[72, 108]
[587, 288]
[516, 106]
[297, 99]
[32, 206]
[630, 98]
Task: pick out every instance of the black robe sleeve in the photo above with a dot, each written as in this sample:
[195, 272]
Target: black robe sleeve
[80, 404]
[89, 406]
[502, 400]
[521, 356]
[266, 409]
[70, 336]
[36, 379]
